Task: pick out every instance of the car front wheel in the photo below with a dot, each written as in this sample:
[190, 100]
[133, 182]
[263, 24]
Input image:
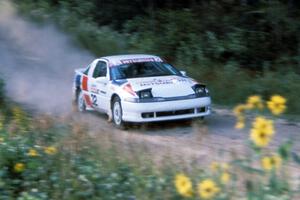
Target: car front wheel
[117, 113]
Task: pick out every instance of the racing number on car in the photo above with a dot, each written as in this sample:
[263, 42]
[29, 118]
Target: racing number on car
[94, 99]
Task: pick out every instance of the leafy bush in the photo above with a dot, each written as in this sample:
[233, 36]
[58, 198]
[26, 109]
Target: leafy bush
[44, 159]
[235, 49]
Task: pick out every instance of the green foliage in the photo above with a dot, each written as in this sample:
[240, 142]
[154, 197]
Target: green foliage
[236, 48]
[249, 34]
[285, 150]
[2, 94]
[296, 158]
[85, 173]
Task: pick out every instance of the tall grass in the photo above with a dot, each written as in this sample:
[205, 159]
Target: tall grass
[47, 158]
[44, 159]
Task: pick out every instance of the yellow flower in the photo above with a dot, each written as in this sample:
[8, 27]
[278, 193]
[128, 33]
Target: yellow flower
[214, 166]
[50, 150]
[277, 104]
[19, 167]
[1, 139]
[207, 189]
[32, 153]
[225, 166]
[240, 125]
[262, 131]
[240, 118]
[225, 177]
[240, 109]
[183, 185]
[255, 101]
[263, 124]
[18, 113]
[273, 162]
[260, 138]
[221, 167]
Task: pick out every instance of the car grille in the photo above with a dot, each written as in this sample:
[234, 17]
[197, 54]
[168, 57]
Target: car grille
[173, 112]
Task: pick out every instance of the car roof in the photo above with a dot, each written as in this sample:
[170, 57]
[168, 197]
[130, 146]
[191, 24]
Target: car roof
[130, 58]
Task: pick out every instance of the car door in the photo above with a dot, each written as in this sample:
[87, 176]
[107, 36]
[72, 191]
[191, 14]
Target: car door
[99, 85]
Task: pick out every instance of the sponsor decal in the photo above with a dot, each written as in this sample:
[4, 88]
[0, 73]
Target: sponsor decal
[88, 100]
[94, 100]
[163, 81]
[129, 89]
[94, 89]
[112, 88]
[135, 60]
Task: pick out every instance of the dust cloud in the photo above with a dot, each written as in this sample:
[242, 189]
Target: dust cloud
[37, 62]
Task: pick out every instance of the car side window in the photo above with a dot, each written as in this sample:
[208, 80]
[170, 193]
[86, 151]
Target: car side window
[87, 70]
[100, 69]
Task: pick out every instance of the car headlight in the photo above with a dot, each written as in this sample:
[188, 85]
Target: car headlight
[145, 94]
[207, 91]
[200, 90]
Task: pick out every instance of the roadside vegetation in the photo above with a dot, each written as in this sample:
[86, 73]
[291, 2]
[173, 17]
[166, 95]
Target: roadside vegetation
[48, 158]
[265, 173]
[236, 47]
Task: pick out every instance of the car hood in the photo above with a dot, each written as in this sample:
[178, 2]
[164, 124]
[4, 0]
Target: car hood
[164, 86]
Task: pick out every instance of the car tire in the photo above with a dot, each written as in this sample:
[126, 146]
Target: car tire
[81, 107]
[117, 113]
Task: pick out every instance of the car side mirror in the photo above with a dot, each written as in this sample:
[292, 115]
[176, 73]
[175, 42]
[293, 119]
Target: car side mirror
[183, 73]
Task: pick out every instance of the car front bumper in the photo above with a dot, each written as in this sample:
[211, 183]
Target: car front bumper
[167, 110]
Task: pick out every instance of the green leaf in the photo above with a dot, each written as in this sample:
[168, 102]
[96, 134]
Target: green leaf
[285, 150]
[296, 157]
[243, 164]
[255, 148]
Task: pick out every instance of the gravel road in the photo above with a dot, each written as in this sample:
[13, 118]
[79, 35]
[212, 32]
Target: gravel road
[37, 63]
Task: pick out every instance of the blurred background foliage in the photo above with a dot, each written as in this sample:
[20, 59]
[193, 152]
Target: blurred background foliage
[2, 97]
[237, 47]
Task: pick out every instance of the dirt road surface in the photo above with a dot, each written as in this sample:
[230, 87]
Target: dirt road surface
[37, 63]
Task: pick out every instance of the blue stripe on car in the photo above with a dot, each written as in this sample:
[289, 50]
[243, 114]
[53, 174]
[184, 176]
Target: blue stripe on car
[77, 80]
[119, 82]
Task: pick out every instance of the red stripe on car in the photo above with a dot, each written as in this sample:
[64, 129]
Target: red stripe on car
[85, 83]
[129, 89]
[88, 100]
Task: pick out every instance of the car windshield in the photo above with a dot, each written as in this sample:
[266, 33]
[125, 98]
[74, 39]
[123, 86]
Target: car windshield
[143, 69]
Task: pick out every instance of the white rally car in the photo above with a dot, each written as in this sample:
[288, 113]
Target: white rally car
[139, 88]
